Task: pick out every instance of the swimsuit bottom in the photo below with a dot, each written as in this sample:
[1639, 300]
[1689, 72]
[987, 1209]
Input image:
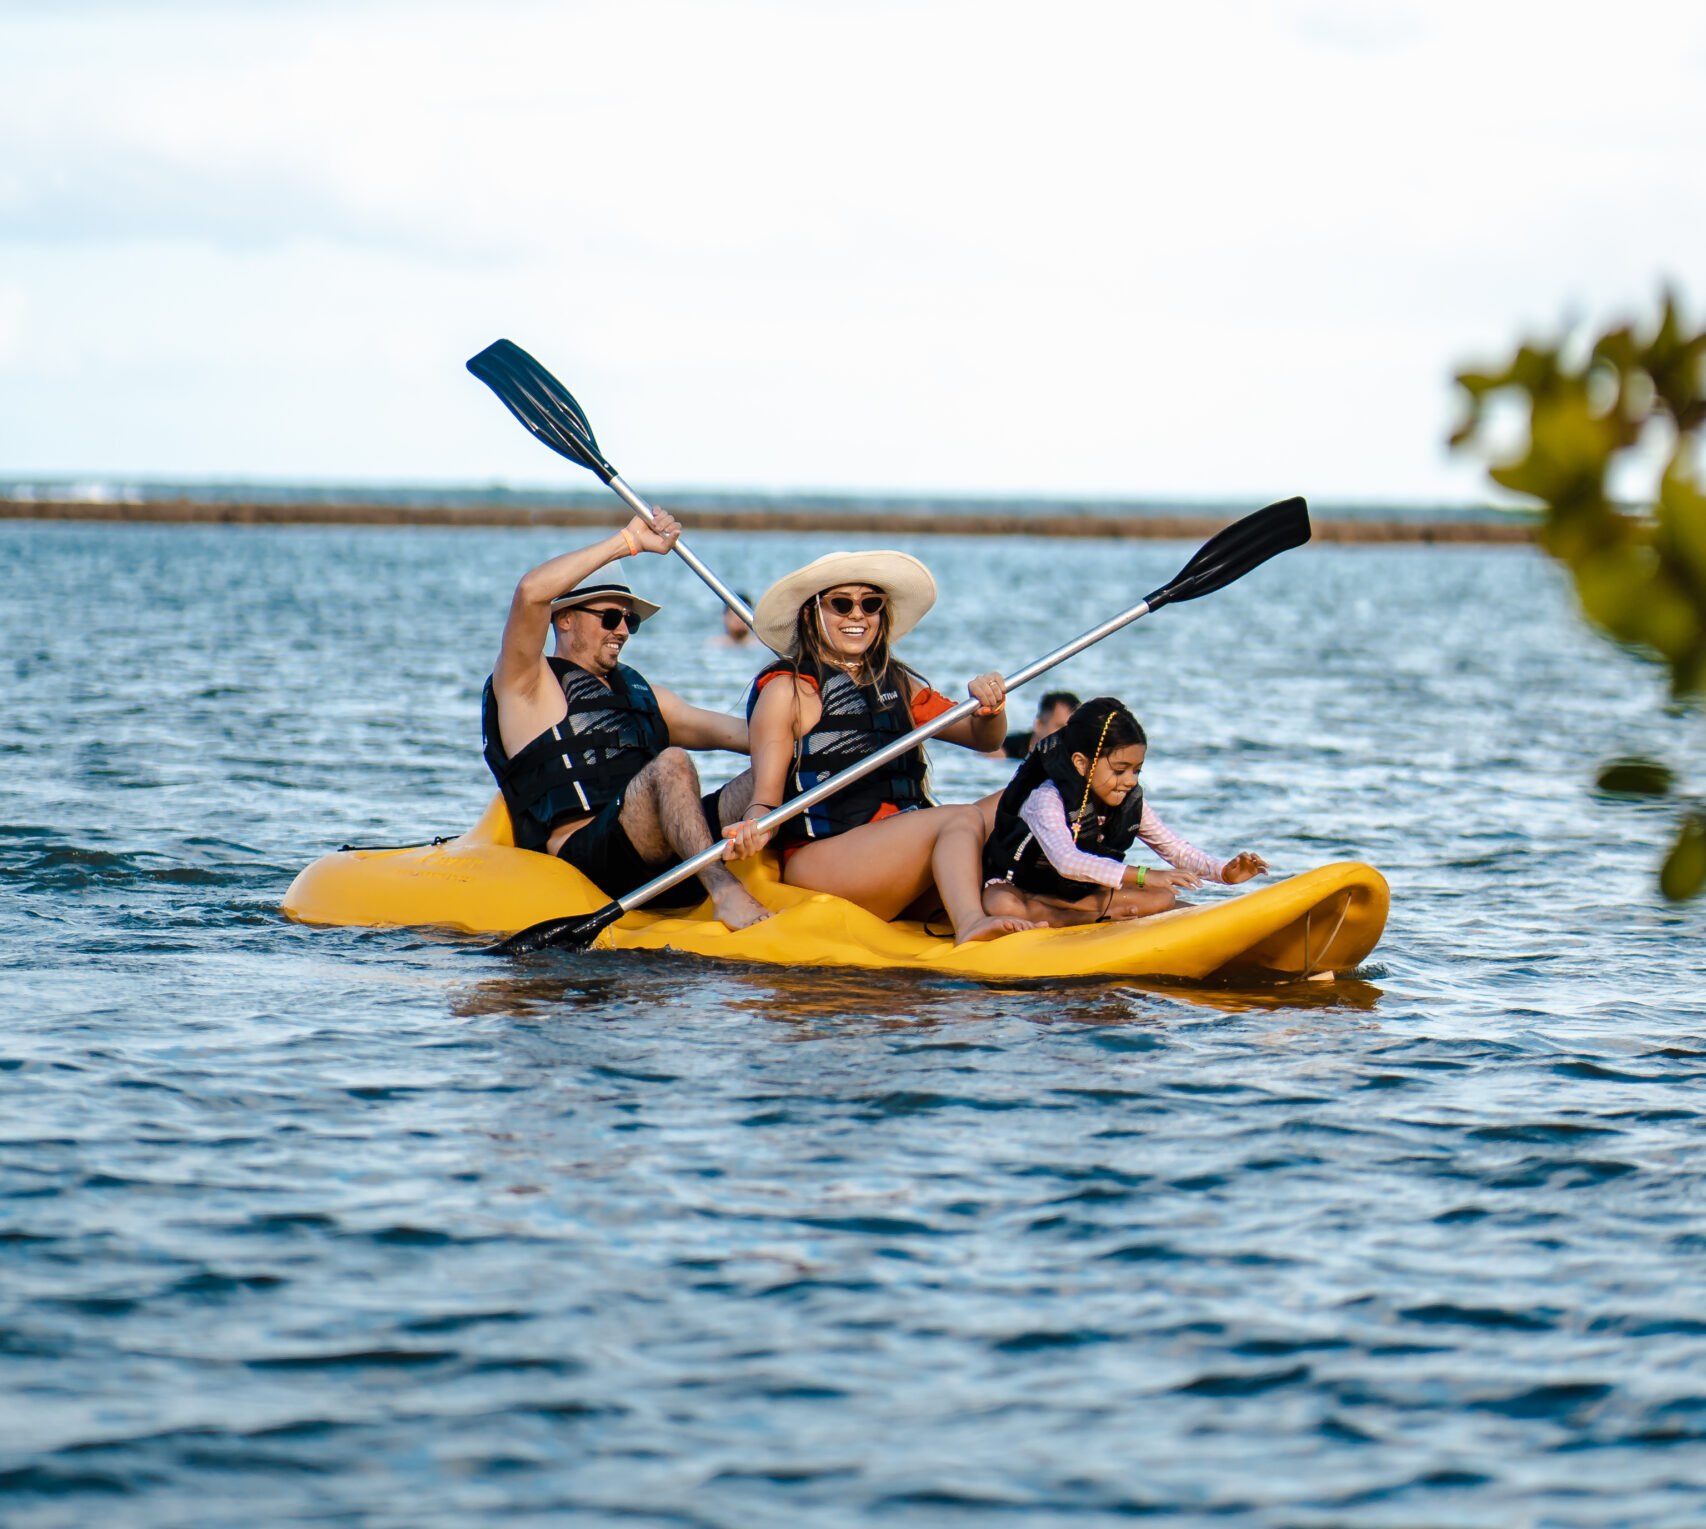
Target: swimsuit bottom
[603, 853]
[887, 810]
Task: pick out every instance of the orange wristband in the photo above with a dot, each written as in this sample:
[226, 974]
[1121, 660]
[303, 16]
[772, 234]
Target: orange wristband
[633, 546]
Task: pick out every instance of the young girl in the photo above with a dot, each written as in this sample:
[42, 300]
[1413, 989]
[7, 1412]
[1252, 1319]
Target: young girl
[1057, 852]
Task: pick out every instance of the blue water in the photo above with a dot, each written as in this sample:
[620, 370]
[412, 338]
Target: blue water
[306, 1226]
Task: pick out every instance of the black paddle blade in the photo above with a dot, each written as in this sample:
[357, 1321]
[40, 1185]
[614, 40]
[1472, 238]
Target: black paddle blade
[575, 933]
[541, 403]
[1232, 553]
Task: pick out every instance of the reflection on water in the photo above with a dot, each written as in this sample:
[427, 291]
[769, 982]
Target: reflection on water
[366, 1227]
[894, 999]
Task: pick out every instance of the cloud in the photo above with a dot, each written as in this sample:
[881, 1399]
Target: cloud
[1358, 28]
[1220, 248]
[107, 194]
[11, 323]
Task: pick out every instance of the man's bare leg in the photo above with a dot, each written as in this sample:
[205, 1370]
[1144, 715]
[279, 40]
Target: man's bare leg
[662, 816]
[734, 799]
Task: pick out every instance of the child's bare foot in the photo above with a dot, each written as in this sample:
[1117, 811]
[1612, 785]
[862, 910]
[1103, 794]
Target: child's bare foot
[738, 908]
[992, 928]
[1001, 901]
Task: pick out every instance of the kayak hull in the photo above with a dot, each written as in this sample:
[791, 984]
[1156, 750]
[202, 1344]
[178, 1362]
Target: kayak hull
[1324, 920]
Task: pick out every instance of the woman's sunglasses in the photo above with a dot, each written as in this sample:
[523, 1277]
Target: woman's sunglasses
[844, 605]
[613, 616]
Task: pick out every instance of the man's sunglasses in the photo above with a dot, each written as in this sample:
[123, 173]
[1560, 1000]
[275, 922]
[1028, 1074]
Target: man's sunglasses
[613, 616]
[844, 605]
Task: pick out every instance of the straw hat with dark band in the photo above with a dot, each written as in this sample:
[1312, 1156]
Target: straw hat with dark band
[603, 588]
[904, 579]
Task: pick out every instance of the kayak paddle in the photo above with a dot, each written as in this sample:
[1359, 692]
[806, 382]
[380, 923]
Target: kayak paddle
[550, 412]
[1226, 556]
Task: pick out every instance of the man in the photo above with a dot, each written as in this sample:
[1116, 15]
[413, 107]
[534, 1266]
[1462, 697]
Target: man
[1054, 711]
[736, 633]
[589, 757]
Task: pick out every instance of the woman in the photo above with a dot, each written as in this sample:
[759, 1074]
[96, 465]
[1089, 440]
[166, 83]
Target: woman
[838, 696]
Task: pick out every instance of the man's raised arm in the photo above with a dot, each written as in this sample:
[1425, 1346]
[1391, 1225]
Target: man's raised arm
[520, 667]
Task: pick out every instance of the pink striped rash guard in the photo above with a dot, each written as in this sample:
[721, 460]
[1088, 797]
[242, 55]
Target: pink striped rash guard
[1045, 815]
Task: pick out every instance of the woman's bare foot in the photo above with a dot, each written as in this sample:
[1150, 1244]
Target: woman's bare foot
[738, 908]
[992, 928]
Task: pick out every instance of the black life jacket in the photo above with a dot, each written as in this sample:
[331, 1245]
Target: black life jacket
[586, 760]
[857, 720]
[1012, 853]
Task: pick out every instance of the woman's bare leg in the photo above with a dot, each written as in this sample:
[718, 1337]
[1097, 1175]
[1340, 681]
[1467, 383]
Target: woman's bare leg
[957, 866]
[886, 866]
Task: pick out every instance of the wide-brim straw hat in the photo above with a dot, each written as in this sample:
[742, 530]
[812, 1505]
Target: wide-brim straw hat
[603, 587]
[901, 577]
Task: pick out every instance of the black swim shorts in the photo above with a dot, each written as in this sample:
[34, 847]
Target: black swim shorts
[603, 853]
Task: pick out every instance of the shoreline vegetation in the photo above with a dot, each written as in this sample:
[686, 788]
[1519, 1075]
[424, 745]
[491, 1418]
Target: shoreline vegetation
[1506, 530]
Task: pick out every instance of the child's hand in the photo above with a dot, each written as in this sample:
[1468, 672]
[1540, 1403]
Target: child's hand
[1176, 879]
[1243, 867]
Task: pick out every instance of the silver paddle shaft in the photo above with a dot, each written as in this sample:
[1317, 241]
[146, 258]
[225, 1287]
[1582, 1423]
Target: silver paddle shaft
[718, 587]
[795, 805]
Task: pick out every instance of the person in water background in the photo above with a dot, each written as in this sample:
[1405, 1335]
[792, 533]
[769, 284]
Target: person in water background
[735, 633]
[838, 696]
[1056, 853]
[1052, 713]
[591, 758]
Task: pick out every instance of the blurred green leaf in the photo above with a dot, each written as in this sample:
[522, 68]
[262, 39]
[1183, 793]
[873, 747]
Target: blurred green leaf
[1640, 573]
[1684, 872]
[1636, 777]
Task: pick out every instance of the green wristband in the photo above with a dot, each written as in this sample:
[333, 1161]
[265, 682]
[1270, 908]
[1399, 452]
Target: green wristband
[1142, 871]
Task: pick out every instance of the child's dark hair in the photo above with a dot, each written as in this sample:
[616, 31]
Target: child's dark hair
[1100, 726]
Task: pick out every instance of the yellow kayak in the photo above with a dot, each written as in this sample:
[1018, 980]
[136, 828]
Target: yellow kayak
[1322, 921]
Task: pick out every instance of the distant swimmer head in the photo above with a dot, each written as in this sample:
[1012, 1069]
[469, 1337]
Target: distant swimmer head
[734, 629]
[1053, 712]
[594, 620]
[1107, 745]
[846, 605]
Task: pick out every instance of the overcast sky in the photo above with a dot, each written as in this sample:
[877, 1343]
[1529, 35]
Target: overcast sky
[1206, 251]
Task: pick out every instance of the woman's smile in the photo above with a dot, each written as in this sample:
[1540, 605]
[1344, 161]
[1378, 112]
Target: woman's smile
[853, 631]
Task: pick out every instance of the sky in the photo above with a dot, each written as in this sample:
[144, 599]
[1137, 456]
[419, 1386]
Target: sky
[1206, 252]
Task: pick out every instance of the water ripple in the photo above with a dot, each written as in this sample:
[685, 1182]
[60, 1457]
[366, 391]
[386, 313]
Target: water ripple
[360, 1227]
